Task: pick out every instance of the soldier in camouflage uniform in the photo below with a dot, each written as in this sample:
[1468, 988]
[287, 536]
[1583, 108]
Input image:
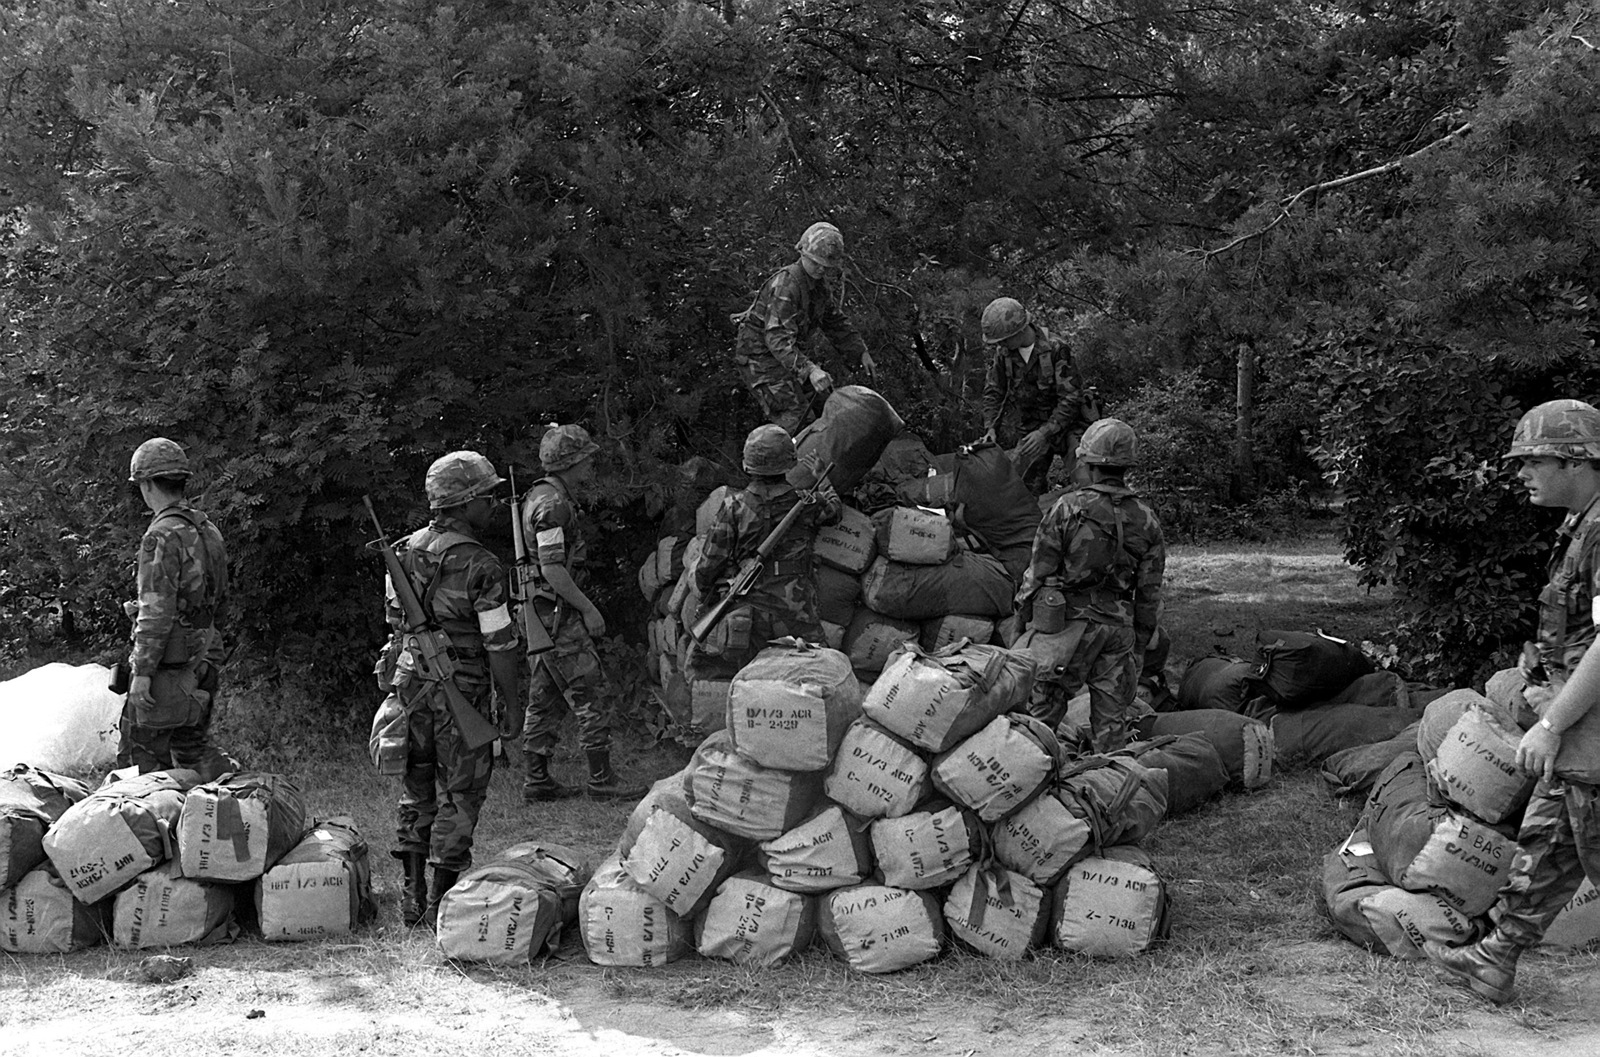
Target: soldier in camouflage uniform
[1106, 546]
[1032, 395]
[791, 306]
[550, 523]
[783, 601]
[1558, 445]
[462, 586]
[177, 649]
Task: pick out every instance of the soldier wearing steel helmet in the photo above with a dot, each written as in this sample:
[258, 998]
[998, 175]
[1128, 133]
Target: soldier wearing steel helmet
[463, 586]
[1032, 396]
[549, 515]
[796, 302]
[783, 601]
[1557, 447]
[1105, 545]
[177, 650]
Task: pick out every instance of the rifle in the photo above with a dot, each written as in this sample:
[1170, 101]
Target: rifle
[534, 633]
[431, 653]
[750, 571]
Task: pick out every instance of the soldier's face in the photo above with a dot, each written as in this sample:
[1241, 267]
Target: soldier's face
[1551, 481]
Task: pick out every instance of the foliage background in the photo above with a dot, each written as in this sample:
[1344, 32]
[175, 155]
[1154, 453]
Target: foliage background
[322, 242]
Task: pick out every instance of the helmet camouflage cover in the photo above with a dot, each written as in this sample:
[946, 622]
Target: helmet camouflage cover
[823, 244]
[1566, 429]
[1003, 318]
[768, 450]
[1109, 442]
[563, 447]
[158, 457]
[458, 478]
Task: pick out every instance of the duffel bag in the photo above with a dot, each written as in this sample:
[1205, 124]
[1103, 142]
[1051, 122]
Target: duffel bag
[238, 827]
[162, 908]
[511, 909]
[1381, 917]
[829, 850]
[876, 928]
[1244, 744]
[681, 860]
[1350, 874]
[1195, 771]
[995, 505]
[997, 912]
[914, 536]
[789, 708]
[1299, 668]
[968, 583]
[708, 704]
[118, 832]
[1476, 768]
[837, 595]
[744, 798]
[1001, 767]
[904, 463]
[873, 638]
[1376, 690]
[31, 800]
[1111, 905]
[751, 922]
[928, 848]
[855, 427]
[846, 547]
[623, 925]
[39, 916]
[875, 774]
[935, 700]
[1218, 682]
[1307, 736]
[1122, 799]
[1577, 924]
[942, 631]
[1042, 840]
[321, 888]
[1351, 773]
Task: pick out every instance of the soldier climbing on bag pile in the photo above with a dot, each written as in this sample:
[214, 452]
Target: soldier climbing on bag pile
[1106, 547]
[1558, 445]
[795, 303]
[569, 675]
[175, 661]
[783, 601]
[1032, 395]
[462, 589]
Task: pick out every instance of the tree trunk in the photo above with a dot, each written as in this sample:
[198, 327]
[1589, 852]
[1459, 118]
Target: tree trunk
[1244, 462]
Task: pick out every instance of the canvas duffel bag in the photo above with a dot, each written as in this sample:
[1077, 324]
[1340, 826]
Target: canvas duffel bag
[670, 554]
[968, 583]
[744, 798]
[847, 547]
[997, 912]
[1307, 736]
[1381, 917]
[511, 909]
[321, 888]
[708, 704]
[1422, 846]
[162, 908]
[837, 596]
[935, 700]
[1110, 905]
[1476, 768]
[238, 827]
[751, 922]
[829, 850]
[875, 774]
[914, 536]
[942, 631]
[681, 860]
[1351, 773]
[1577, 924]
[623, 925]
[31, 801]
[855, 427]
[928, 848]
[995, 505]
[1350, 873]
[904, 463]
[876, 928]
[790, 706]
[39, 916]
[1195, 771]
[872, 638]
[1218, 682]
[1299, 668]
[1042, 840]
[1122, 799]
[118, 832]
[1001, 767]
[1244, 744]
[833, 634]
[1378, 689]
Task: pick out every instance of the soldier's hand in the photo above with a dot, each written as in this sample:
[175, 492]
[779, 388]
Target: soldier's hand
[594, 623]
[139, 692]
[989, 436]
[821, 380]
[1032, 446]
[869, 365]
[1536, 753]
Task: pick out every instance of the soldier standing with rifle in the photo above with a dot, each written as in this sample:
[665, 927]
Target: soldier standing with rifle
[783, 599]
[453, 639]
[567, 675]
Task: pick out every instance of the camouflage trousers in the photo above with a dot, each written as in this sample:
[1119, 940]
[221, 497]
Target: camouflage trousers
[783, 401]
[1103, 662]
[162, 748]
[1558, 844]
[445, 784]
[576, 661]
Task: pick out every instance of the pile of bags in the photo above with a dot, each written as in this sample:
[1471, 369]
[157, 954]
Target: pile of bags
[161, 859]
[885, 821]
[1436, 840]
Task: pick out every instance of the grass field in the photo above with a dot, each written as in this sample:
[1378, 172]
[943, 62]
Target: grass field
[1252, 965]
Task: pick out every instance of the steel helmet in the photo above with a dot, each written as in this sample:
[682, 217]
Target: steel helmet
[769, 450]
[1566, 429]
[1003, 318]
[1109, 442]
[823, 245]
[158, 457]
[458, 478]
[564, 447]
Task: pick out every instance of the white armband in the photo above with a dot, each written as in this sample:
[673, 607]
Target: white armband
[492, 620]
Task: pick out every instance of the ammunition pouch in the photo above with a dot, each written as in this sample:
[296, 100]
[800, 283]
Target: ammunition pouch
[731, 636]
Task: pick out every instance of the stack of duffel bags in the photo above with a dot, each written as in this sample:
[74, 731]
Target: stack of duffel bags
[513, 908]
[161, 860]
[929, 806]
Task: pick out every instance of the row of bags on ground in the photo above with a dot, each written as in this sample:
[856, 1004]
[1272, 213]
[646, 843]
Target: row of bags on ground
[161, 859]
[1436, 841]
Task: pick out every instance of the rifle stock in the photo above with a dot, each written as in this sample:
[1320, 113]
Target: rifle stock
[534, 634]
[429, 647]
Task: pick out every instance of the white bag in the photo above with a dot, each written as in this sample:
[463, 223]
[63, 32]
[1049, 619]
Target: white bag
[1001, 767]
[1042, 840]
[750, 922]
[322, 888]
[1476, 767]
[1112, 905]
[624, 925]
[875, 774]
[163, 909]
[927, 848]
[997, 912]
[829, 850]
[790, 706]
[878, 929]
[39, 916]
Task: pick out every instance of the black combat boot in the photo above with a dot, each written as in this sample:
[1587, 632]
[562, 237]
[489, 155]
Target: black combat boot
[603, 781]
[414, 893]
[540, 784]
[1487, 968]
[443, 881]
